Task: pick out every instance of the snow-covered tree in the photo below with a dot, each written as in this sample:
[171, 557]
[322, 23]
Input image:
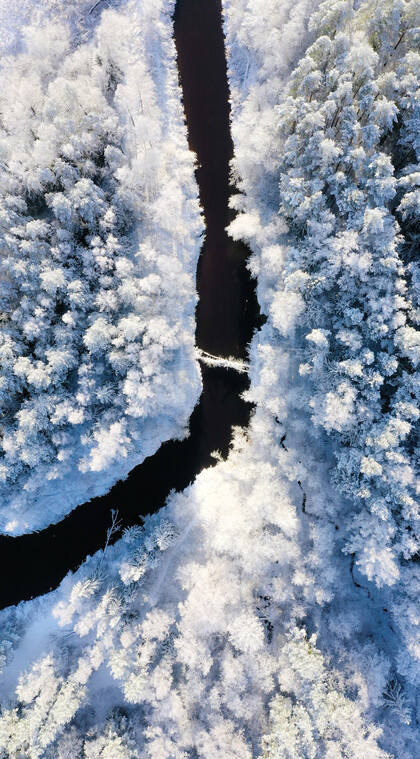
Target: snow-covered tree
[98, 298]
[188, 633]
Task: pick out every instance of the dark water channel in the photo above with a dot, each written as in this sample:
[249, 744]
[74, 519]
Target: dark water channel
[227, 315]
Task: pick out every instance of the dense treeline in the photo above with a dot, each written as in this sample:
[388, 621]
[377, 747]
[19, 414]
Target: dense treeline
[328, 165]
[98, 288]
[349, 178]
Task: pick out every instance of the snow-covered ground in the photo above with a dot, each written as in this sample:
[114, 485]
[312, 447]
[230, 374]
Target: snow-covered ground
[175, 642]
[101, 231]
[234, 625]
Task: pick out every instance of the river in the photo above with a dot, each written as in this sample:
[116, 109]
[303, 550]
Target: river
[227, 315]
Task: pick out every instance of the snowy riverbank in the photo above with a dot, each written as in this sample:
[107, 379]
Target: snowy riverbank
[97, 336]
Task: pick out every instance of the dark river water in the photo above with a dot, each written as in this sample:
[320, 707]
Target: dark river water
[227, 316]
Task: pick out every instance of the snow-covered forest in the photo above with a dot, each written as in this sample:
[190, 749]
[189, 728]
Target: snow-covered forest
[331, 211]
[100, 233]
[269, 611]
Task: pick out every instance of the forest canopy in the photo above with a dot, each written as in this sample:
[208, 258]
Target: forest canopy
[270, 610]
[98, 295]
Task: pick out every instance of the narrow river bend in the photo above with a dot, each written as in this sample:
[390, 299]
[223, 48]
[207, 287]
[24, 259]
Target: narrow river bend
[227, 316]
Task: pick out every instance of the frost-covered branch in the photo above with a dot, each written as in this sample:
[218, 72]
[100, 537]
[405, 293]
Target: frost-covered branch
[230, 362]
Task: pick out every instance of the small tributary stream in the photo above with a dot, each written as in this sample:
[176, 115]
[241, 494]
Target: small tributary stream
[227, 316]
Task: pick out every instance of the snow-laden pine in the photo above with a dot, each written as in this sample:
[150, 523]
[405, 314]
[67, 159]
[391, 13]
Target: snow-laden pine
[348, 190]
[100, 233]
[233, 624]
[188, 637]
[330, 191]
